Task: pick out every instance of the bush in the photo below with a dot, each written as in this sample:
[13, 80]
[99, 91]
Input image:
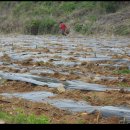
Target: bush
[48, 26]
[31, 27]
[78, 27]
[122, 30]
[84, 28]
[92, 18]
[67, 6]
[110, 7]
[42, 26]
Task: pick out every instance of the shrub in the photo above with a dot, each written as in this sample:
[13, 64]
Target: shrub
[110, 7]
[32, 26]
[84, 28]
[78, 27]
[122, 30]
[42, 26]
[67, 6]
[48, 26]
[92, 18]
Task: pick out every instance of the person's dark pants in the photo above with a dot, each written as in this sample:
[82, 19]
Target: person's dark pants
[63, 32]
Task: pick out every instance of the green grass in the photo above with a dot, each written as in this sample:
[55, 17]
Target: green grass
[46, 25]
[22, 118]
[122, 72]
[36, 17]
[122, 30]
[122, 84]
[92, 18]
[83, 28]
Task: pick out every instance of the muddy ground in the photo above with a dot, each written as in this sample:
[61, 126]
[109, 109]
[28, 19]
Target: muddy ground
[90, 60]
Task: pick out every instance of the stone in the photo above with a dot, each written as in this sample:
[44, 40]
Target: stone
[61, 89]
[63, 78]
[97, 78]
[84, 114]
[77, 67]
[23, 70]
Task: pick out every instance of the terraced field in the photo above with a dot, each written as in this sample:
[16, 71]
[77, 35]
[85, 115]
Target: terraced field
[69, 79]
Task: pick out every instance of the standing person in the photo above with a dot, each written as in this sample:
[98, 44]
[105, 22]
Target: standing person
[63, 28]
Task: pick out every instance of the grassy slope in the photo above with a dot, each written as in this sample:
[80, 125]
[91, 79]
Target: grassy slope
[84, 17]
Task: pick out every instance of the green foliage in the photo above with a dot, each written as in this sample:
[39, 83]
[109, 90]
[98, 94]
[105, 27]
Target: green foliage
[84, 28]
[41, 26]
[4, 116]
[86, 4]
[22, 118]
[22, 7]
[67, 6]
[122, 30]
[122, 72]
[32, 26]
[78, 27]
[123, 84]
[39, 17]
[110, 7]
[48, 26]
[42, 10]
[92, 18]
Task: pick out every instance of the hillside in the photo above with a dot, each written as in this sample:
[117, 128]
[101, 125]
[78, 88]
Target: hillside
[86, 17]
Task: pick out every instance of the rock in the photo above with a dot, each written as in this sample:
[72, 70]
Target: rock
[34, 65]
[84, 114]
[97, 78]
[2, 122]
[77, 67]
[61, 89]
[23, 70]
[63, 78]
